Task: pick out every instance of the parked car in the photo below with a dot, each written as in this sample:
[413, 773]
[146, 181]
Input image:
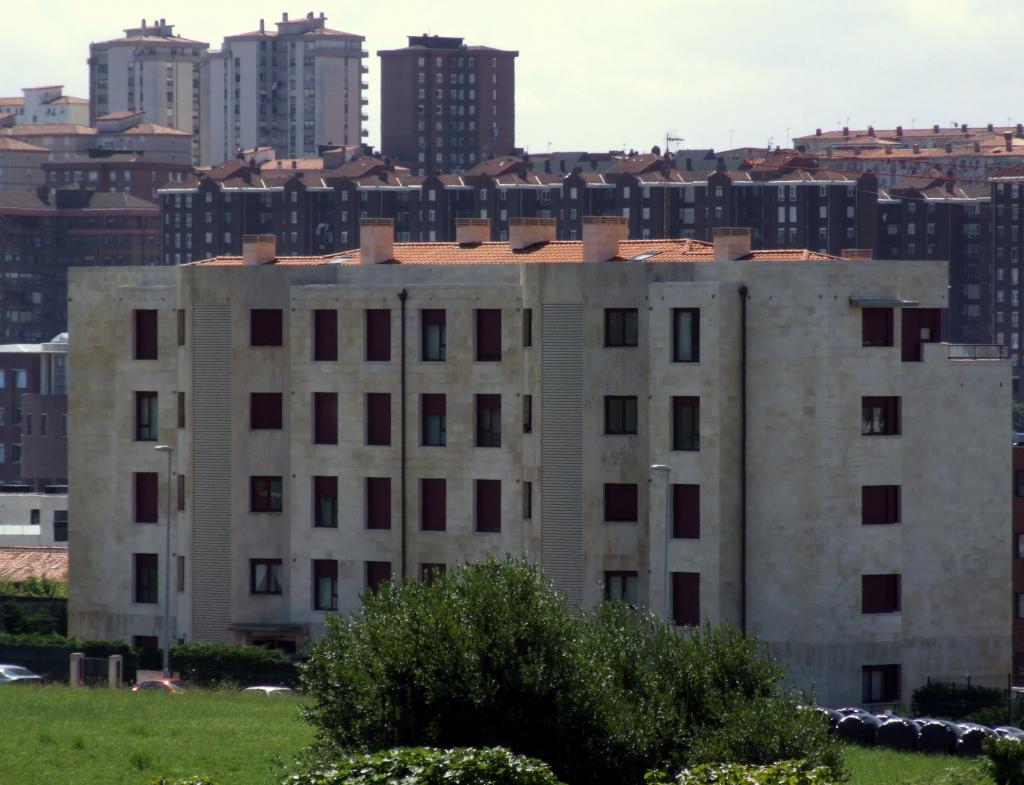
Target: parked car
[16, 674]
[160, 685]
[267, 690]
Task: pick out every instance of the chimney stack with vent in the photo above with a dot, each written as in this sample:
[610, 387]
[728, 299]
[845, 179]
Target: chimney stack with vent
[376, 240]
[846, 131]
[524, 232]
[1008, 138]
[258, 248]
[469, 231]
[602, 235]
[730, 242]
[964, 128]
[871, 131]
[817, 132]
[899, 130]
[935, 128]
[990, 127]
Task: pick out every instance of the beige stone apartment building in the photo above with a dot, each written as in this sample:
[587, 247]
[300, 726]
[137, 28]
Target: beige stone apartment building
[835, 477]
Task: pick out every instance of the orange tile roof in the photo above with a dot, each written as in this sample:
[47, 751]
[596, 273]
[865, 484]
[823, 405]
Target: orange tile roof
[553, 252]
[19, 564]
[16, 145]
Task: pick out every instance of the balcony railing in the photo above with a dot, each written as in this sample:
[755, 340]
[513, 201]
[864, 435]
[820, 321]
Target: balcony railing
[978, 351]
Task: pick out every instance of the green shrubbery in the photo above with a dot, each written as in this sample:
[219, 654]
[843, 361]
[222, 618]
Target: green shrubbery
[491, 656]
[216, 664]
[1005, 758]
[784, 773]
[941, 699]
[427, 766]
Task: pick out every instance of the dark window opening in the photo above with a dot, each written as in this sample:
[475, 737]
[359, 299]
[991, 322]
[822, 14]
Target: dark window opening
[181, 326]
[686, 511]
[145, 578]
[620, 414]
[488, 505]
[60, 525]
[378, 502]
[325, 335]
[266, 494]
[181, 410]
[431, 570]
[880, 593]
[377, 572]
[265, 411]
[145, 335]
[488, 421]
[877, 326]
[527, 327]
[146, 421]
[880, 504]
[527, 414]
[686, 599]
[325, 502]
[325, 585]
[621, 502]
[527, 500]
[919, 326]
[146, 497]
[378, 419]
[685, 422]
[265, 576]
[433, 341]
[181, 492]
[325, 418]
[880, 416]
[434, 420]
[378, 335]
[432, 505]
[265, 327]
[881, 684]
[488, 335]
[621, 586]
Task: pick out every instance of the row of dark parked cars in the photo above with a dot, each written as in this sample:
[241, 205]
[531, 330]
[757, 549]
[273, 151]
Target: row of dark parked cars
[925, 734]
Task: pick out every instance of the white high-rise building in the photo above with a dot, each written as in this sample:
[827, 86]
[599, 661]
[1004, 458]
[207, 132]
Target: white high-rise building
[294, 89]
[149, 70]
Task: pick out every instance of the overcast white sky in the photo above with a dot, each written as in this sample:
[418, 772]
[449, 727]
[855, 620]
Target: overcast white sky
[597, 75]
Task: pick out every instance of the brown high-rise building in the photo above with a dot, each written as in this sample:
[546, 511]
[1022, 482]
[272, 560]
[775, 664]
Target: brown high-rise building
[446, 106]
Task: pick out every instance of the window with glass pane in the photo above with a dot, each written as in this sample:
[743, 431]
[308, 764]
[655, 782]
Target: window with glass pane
[325, 501]
[146, 423]
[325, 585]
[686, 335]
[619, 414]
[265, 576]
[432, 407]
[266, 494]
[488, 421]
[145, 578]
[685, 422]
[880, 416]
[621, 586]
[620, 326]
[432, 325]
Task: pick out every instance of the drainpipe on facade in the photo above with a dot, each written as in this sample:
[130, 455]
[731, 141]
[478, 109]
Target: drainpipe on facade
[743, 459]
[402, 296]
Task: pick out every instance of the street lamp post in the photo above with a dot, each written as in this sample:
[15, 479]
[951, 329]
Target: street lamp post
[667, 471]
[166, 448]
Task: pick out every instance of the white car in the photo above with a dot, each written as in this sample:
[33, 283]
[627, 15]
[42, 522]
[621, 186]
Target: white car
[269, 690]
[16, 674]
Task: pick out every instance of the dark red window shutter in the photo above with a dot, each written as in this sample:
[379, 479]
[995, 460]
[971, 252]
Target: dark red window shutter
[376, 573]
[378, 334]
[876, 326]
[325, 418]
[432, 505]
[265, 410]
[146, 494]
[880, 504]
[378, 418]
[265, 327]
[686, 511]
[488, 334]
[378, 502]
[621, 502]
[488, 505]
[686, 599]
[325, 334]
[145, 335]
[880, 593]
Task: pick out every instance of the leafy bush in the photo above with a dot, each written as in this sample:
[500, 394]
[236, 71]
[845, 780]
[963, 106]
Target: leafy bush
[33, 615]
[1005, 758]
[942, 699]
[49, 655]
[489, 655]
[784, 773]
[211, 664]
[996, 714]
[427, 766]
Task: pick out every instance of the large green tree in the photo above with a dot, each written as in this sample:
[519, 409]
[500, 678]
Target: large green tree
[491, 655]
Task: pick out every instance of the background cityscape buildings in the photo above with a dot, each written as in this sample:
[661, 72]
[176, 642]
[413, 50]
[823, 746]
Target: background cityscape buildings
[284, 301]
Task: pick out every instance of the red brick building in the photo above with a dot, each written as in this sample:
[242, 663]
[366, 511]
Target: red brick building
[446, 106]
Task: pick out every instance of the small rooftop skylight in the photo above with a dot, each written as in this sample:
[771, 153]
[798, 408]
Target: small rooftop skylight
[339, 259]
[643, 257]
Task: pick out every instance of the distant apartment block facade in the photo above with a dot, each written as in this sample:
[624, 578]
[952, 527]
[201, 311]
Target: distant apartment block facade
[43, 234]
[446, 106]
[297, 88]
[33, 416]
[401, 408]
[149, 70]
[46, 104]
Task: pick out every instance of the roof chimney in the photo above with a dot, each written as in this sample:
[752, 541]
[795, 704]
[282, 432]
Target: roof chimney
[524, 232]
[731, 242]
[917, 149]
[899, 130]
[1020, 129]
[949, 147]
[856, 253]
[1008, 138]
[817, 132]
[376, 240]
[258, 248]
[262, 26]
[935, 128]
[977, 147]
[602, 235]
[964, 128]
[888, 151]
[846, 131]
[469, 231]
[990, 127]
[871, 130]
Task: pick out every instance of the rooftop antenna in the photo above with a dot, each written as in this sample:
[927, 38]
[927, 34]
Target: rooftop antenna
[669, 137]
[787, 136]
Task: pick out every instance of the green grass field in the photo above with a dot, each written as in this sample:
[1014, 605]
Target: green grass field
[60, 736]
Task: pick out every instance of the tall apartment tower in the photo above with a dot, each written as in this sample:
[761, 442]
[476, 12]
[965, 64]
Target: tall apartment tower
[445, 106]
[293, 89]
[150, 70]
